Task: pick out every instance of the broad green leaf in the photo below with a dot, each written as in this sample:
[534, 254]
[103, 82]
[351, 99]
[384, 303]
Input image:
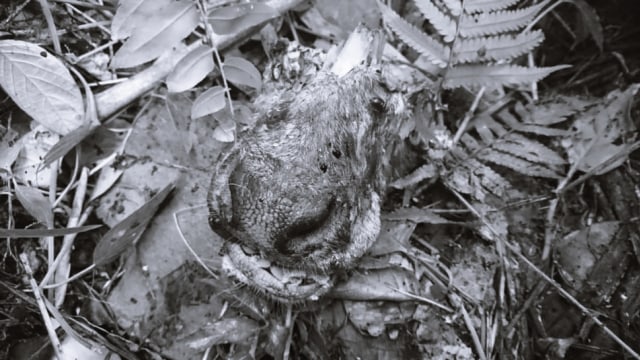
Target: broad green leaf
[35, 203]
[209, 102]
[237, 17]
[165, 28]
[191, 69]
[242, 72]
[132, 14]
[126, 232]
[40, 85]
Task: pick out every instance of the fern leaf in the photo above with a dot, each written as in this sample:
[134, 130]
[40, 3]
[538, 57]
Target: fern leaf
[455, 6]
[498, 22]
[525, 125]
[521, 126]
[430, 48]
[520, 146]
[486, 126]
[542, 130]
[476, 6]
[494, 48]
[471, 143]
[474, 178]
[519, 154]
[496, 75]
[517, 164]
[440, 21]
[556, 111]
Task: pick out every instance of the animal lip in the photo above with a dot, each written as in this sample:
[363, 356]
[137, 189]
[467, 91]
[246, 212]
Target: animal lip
[282, 284]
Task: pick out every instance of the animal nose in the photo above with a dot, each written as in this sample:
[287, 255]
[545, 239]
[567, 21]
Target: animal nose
[294, 238]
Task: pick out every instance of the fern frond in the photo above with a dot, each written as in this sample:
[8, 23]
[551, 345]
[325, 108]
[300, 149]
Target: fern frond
[476, 6]
[430, 48]
[519, 126]
[455, 6]
[556, 111]
[517, 153]
[498, 22]
[494, 48]
[520, 146]
[440, 21]
[517, 164]
[475, 178]
[526, 124]
[487, 75]
[486, 126]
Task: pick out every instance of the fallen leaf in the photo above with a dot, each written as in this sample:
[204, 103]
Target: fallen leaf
[36, 204]
[125, 233]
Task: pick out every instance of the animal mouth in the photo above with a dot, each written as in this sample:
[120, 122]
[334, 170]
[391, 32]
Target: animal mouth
[277, 282]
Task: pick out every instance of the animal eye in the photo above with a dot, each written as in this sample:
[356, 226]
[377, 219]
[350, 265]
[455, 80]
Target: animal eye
[378, 105]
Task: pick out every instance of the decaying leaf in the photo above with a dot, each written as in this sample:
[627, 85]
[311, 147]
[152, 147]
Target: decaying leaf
[36, 203]
[125, 233]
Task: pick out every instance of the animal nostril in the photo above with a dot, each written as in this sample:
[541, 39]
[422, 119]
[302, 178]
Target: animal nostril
[290, 241]
[282, 247]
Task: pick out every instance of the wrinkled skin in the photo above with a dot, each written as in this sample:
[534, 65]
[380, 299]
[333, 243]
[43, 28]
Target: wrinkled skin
[303, 189]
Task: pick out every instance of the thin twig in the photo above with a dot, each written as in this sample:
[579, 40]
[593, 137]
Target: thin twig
[469, 324]
[55, 342]
[468, 116]
[186, 243]
[62, 270]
